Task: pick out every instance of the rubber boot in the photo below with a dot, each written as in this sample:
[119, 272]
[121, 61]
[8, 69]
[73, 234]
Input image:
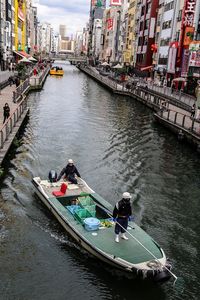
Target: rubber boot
[117, 238]
[124, 237]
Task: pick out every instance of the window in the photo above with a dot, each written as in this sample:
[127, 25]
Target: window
[142, 11]
[179, 18]
[165, 42]
[162, 60]
[177, 35]
[141, 26]
[167, 24]
[146, 25]
[169, 6]
[145, 40]
[140, 41]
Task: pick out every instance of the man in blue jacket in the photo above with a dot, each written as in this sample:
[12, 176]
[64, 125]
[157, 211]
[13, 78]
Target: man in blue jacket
[121, 213]
[70, 171]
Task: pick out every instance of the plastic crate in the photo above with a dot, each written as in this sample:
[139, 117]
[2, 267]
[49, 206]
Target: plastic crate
[85, 201]
[73, 208]
[82, 214]
[91, 209]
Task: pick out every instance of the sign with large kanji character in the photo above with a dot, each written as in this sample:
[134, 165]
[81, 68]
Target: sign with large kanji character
[189, 13]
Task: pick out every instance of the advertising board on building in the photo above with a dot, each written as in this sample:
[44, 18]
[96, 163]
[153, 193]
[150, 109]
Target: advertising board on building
[172, 60]
[188, 36]
[110, 24]
[185, 62]
[194, 48]
[189, 13]
[115, 2]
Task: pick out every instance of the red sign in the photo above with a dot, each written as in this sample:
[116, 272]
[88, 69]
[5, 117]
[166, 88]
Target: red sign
[115, 2]
[189, 13]
[109, 24]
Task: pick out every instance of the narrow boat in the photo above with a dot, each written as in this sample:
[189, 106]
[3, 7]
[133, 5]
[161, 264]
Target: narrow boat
[56, 71]
[86, 216]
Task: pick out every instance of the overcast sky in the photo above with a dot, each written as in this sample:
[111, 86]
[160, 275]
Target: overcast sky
[72, 13]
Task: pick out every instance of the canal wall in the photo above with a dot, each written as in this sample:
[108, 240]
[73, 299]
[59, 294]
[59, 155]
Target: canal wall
[17, 101]
[171, 110]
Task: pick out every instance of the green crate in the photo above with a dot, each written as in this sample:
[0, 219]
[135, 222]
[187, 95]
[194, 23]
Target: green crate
[85, 201]
[82, 214]
[91, 209]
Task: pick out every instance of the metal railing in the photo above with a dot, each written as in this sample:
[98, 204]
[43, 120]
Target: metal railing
[185, 121]
[11, 122]
[43, 75]
[141, 88]
[20, 90]
[178, 95]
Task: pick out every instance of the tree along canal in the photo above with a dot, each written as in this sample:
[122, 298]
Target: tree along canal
[117, 147]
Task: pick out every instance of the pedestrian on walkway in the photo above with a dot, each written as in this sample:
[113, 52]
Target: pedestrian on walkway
[6, 112]
[193, 110]
[17, 81]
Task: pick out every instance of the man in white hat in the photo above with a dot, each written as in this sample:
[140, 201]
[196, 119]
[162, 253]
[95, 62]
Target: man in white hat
[121, 214]
[70, 171]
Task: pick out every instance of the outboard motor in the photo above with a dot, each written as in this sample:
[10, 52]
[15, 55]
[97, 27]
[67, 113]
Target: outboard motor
[52, 176]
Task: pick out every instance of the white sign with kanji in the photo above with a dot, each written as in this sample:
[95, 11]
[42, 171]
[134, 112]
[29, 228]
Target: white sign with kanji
[189, 13]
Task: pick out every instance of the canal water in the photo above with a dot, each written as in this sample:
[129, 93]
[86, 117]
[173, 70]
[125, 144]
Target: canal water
[117, 147]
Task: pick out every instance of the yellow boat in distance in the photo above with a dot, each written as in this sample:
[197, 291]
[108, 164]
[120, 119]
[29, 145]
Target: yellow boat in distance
[56, 71]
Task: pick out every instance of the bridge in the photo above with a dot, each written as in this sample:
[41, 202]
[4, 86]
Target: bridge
[73, 59]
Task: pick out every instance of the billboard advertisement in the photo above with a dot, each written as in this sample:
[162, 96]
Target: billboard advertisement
[185, 62]
[110, 24]
[171, 60]
[189, 13]
[115, 2]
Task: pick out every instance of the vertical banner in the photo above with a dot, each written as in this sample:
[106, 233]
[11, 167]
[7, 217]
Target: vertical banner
[152, 28]
[185, 62]
[188, 19]
[171, 60]
[110, 24]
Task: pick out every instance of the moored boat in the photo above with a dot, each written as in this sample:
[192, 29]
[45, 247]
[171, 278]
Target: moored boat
[86, 216]
[56, 71]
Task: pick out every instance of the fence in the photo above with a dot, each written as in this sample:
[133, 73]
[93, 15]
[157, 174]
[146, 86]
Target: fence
[20, 90]
[11, 122]
[184, 121]
[178, 95]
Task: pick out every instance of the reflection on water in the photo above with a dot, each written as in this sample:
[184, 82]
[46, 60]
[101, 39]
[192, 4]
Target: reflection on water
[117, 147]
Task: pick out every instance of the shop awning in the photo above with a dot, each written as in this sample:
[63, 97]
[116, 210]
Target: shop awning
[146, 68]
[22, 54]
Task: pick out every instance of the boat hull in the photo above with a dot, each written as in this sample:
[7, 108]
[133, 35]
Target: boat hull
[57, 73]
[105, 258]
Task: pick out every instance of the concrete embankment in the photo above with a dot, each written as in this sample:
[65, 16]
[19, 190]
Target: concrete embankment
[173, 113]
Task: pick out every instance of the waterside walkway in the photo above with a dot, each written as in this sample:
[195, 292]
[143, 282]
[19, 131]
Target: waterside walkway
[17, 101]
[172, 110]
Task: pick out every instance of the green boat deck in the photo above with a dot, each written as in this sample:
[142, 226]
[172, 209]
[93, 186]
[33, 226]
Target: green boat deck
[129, 250]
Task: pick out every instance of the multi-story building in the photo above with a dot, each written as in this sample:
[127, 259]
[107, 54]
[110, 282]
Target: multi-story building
[146, 37]
[97, 8]
[130, 48]
[110, 34]
[20, 25]
[85, 39]
[123, 31]
[5, 34]
[63, 31]
[96, 38]
[44, 38]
